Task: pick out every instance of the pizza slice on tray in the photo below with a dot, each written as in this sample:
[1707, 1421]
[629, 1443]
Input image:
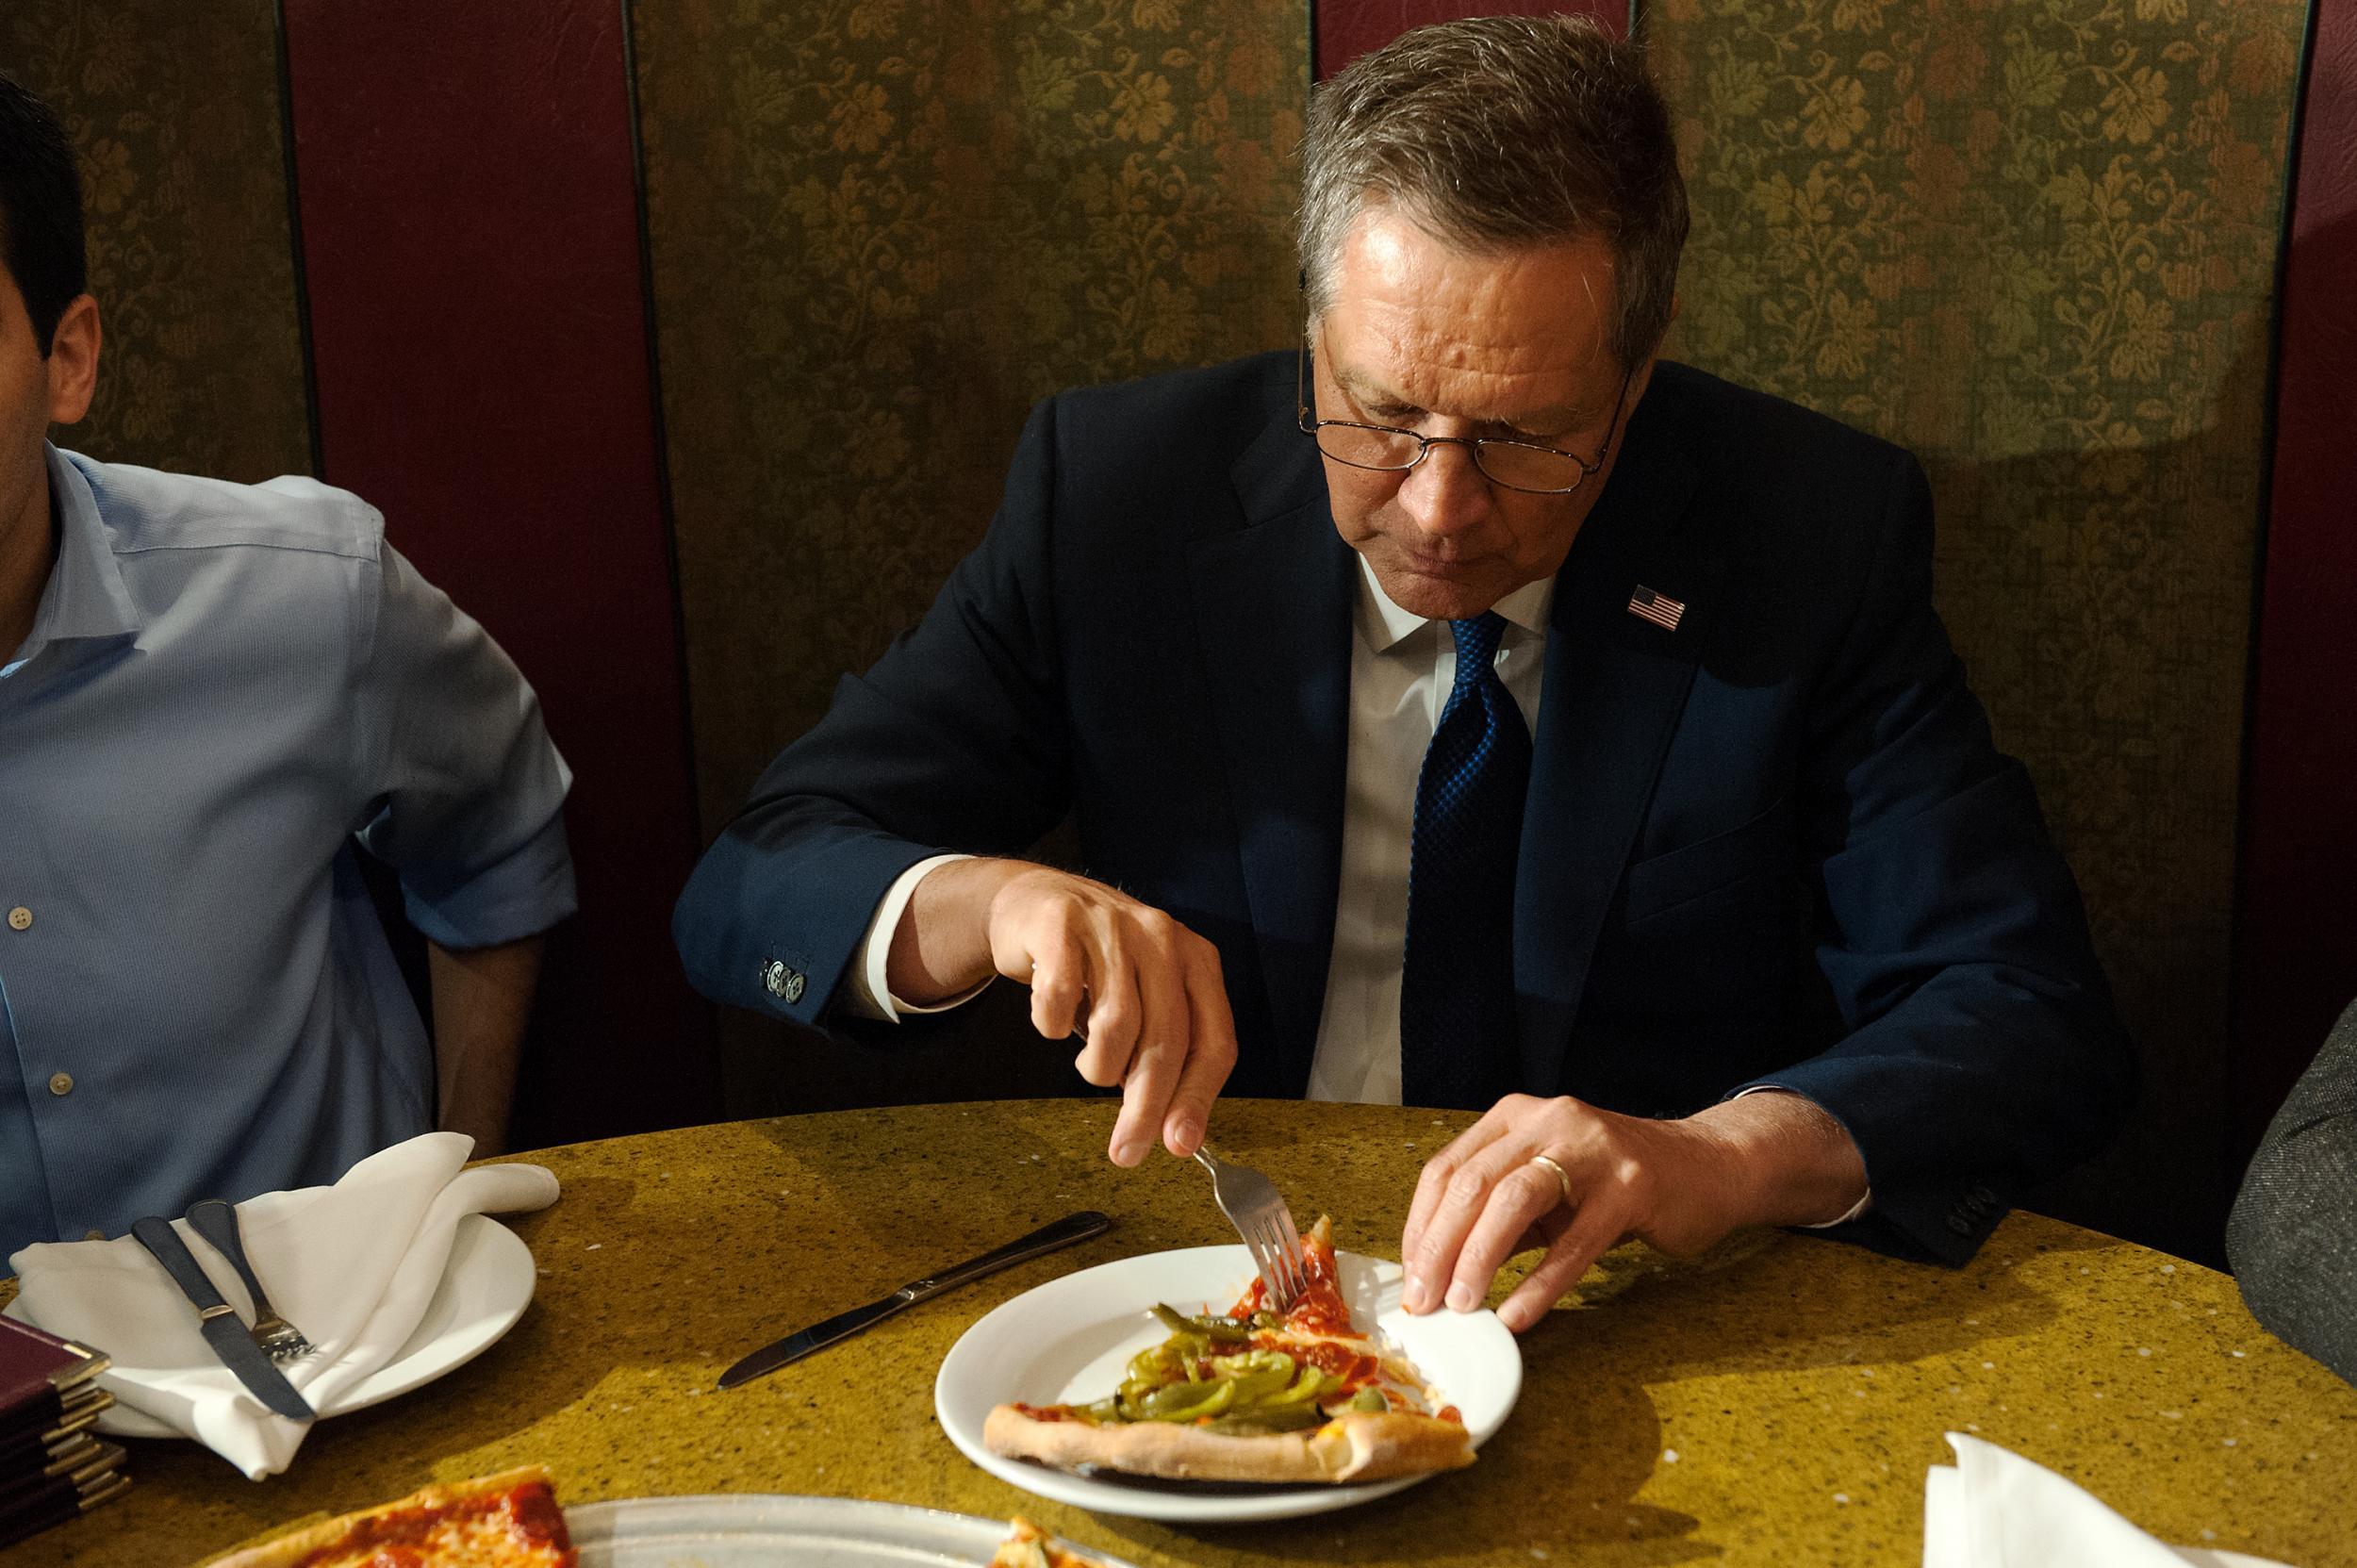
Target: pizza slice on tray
[1029, 1547]
[1253, 1396]
[509, 1520]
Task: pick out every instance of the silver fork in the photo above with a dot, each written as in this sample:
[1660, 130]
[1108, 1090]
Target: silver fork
[1256, 1209]
[217, 1221]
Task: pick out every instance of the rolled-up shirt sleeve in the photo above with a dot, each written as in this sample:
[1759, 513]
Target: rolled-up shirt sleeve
[465, 789]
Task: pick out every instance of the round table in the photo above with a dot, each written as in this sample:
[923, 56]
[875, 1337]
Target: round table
[1775, 1402]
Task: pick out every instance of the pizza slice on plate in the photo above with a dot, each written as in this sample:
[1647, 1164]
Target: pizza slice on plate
[1253, 1396]
[509, 1520]
[1029, 1547]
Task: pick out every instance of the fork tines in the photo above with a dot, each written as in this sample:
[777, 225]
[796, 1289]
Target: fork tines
[280, 1339]
[1278, 1257]
[1256, 1209]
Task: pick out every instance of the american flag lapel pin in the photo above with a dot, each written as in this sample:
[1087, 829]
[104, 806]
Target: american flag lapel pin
[1659, 608]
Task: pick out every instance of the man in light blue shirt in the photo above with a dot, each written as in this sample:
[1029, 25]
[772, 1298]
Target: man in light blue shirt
[208, 692]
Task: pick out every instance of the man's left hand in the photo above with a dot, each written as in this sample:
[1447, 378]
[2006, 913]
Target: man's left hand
[1765, 1159]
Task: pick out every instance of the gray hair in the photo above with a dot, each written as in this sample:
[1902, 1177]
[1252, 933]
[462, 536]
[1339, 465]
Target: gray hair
[1496, 133]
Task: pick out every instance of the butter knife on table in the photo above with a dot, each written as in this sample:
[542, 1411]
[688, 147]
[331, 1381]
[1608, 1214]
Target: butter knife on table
[218, 1321]
[1048, 1238]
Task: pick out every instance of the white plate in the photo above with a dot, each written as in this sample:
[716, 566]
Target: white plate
[749, 1530]
[484, 1289]
[1067, 1342]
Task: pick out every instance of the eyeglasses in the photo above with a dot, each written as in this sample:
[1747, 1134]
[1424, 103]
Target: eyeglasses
[1524, 466]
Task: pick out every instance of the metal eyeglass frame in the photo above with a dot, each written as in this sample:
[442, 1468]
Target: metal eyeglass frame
[1474, 444]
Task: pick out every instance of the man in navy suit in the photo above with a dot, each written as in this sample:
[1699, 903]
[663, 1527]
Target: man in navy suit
[1467, 709]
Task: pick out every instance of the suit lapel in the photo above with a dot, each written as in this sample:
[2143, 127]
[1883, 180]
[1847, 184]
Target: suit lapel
[1272, 615]
[1614, 687]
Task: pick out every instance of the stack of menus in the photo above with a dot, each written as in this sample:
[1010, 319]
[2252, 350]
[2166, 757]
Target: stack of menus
[53, 1465]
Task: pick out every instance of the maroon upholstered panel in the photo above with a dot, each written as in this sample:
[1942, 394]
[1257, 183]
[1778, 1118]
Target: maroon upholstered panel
[470, 241]
[1348, 28]
[2297, 943]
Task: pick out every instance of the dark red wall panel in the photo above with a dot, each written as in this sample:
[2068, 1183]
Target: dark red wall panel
[1348, 28]
[468, 197]
[2296, 942]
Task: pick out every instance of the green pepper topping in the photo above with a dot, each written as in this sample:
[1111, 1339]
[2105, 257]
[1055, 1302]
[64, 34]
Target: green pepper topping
[1219, 1330]
[1259, 1374]
[1265, 1419]
[1304, 1393]
[1369, 1399]
[1189, 1401]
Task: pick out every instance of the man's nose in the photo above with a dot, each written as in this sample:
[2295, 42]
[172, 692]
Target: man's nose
[1445, 493]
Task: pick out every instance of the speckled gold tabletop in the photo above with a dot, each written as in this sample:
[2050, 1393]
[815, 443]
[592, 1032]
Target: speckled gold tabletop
[1776, 1402]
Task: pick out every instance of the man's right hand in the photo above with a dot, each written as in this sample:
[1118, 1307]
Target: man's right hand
[1140, 989]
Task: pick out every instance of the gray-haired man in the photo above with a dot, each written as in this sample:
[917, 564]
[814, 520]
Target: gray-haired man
[1467, 708]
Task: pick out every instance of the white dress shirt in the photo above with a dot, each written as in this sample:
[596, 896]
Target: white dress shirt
[1401, 668]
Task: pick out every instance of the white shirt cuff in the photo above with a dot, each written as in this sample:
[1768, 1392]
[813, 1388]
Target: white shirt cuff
[869, 992]
[1856, 1208]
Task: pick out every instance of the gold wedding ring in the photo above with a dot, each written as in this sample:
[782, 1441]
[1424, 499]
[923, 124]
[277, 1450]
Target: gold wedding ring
[1561, 1179]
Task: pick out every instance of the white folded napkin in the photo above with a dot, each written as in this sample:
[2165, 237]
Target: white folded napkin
[1997, 1509]
[353, 1266]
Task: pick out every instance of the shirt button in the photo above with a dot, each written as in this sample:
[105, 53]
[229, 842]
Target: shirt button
[93, 1234]
[60, 1083]
[20, 919]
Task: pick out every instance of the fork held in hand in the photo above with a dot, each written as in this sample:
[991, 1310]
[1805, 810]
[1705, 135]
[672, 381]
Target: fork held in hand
[217, 1221]
[1256, 1209]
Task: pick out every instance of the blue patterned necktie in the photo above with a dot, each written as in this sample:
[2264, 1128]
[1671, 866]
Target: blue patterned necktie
[1456, 985]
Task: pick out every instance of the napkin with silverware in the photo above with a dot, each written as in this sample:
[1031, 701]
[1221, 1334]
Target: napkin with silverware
[354, 1265]
[1996, 1509]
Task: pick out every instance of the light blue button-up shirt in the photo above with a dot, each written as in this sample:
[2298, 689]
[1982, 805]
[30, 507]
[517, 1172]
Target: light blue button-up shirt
[224, 685]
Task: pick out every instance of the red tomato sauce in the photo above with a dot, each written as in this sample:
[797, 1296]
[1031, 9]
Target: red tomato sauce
[1320, 1309]
[1355, 1370]
[398, 1540]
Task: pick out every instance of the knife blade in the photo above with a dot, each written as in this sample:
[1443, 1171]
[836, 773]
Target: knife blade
[793, 1347]
[218, 1321]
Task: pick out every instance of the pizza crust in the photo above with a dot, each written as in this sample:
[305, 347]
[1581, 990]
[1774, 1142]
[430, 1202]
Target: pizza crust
[288, 1550]
[1358, 1445]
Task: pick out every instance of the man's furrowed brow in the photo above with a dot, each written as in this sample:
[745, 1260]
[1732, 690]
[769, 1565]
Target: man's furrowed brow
[1366, 393]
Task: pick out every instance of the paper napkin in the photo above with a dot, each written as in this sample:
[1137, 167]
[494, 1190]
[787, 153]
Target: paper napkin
[354, 1267]
[1997, 1509]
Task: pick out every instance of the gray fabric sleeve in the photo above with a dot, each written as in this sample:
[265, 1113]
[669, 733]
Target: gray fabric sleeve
[2293, 1236]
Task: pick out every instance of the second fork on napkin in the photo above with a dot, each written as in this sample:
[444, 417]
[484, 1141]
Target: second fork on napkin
[356, 1264]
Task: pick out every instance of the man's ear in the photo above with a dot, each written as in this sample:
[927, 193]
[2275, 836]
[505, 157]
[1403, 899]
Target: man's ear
[73, 362]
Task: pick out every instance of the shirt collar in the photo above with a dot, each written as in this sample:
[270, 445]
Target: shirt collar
[86, 596]
[1385, 625]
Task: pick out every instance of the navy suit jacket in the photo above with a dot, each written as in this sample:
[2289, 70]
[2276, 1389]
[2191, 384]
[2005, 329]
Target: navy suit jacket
[1774, 845]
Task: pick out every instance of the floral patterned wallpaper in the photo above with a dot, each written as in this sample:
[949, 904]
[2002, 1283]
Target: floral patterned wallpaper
[881, 229]
[2034, 241]
[174, 105]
